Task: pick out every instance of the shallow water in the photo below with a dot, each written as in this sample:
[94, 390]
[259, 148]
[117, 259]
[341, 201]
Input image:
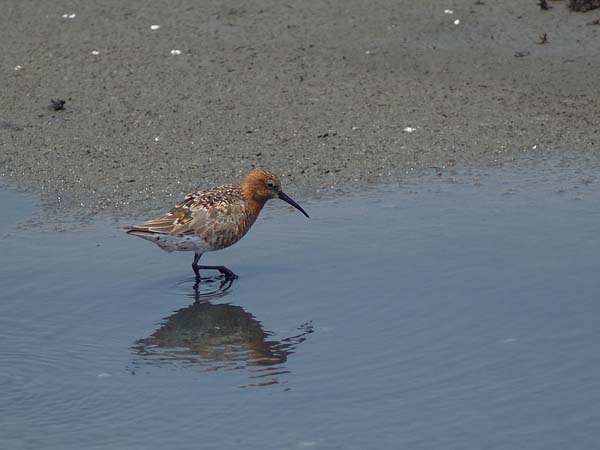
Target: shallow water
[434, 315]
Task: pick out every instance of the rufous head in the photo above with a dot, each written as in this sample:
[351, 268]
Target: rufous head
[261, 185]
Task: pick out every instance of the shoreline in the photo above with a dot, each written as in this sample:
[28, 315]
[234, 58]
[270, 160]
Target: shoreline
[274, 86]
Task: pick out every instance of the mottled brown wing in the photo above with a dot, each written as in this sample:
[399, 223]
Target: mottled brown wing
[219, 215]
[179, 216]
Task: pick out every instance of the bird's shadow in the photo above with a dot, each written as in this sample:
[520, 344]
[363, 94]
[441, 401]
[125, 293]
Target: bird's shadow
[217, 336]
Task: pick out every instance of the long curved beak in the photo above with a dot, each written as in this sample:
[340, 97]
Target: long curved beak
[283, 196]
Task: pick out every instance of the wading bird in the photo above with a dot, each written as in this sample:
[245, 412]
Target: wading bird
[213, 219]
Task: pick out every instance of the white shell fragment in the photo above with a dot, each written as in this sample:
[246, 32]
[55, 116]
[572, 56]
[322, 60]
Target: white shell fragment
[154, 27]
[456, 22]
[175, 52]
[69, 16]
[448, 11]
[95, 52]
[409, 129]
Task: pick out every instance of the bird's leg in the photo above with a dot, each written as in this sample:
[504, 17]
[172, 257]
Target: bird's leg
[196, 292]
[196, 267]
[224, 270]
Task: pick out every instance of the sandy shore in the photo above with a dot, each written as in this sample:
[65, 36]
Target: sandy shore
[330, 95]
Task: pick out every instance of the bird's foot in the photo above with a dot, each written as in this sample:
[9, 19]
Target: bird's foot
[229, 275]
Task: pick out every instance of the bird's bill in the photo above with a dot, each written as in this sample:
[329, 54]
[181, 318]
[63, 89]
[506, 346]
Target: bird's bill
[283, 196]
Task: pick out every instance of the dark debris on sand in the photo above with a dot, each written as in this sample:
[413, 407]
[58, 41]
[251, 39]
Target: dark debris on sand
[57, 105]
[543, 4]
[583, 5]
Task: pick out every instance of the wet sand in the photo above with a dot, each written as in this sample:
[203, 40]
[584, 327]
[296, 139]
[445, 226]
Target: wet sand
[330, 95]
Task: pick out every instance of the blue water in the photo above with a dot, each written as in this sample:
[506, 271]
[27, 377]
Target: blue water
[456, 314]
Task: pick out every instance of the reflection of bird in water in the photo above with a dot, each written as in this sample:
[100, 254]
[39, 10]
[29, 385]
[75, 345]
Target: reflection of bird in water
[218, 336]
[210, 289]
[210, 220]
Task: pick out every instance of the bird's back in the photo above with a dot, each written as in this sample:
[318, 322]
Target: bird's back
[220, 216]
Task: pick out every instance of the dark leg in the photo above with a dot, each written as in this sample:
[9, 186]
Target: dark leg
[196, 267]
[196, 292]
[224, 270]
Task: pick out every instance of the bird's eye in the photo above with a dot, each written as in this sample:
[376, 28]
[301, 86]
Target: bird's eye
[270, 184]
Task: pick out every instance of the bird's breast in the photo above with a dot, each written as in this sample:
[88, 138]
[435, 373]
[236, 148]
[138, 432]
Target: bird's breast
[228, 226]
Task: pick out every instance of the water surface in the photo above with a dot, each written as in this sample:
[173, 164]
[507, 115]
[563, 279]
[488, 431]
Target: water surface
[431, 315]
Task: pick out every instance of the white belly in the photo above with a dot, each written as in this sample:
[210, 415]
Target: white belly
[178, 242]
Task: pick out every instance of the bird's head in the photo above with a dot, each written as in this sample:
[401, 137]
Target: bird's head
[261, 185]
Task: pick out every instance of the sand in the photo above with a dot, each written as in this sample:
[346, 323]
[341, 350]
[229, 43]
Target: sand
[163, 96]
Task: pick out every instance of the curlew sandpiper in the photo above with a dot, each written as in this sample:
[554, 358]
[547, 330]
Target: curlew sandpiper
[213, 219]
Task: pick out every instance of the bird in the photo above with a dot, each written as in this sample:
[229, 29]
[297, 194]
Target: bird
[213, 219]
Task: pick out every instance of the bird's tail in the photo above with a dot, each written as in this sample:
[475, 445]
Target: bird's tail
[137, 231]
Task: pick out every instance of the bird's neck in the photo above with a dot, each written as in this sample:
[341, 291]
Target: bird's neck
[254, 208]
[254, 203]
